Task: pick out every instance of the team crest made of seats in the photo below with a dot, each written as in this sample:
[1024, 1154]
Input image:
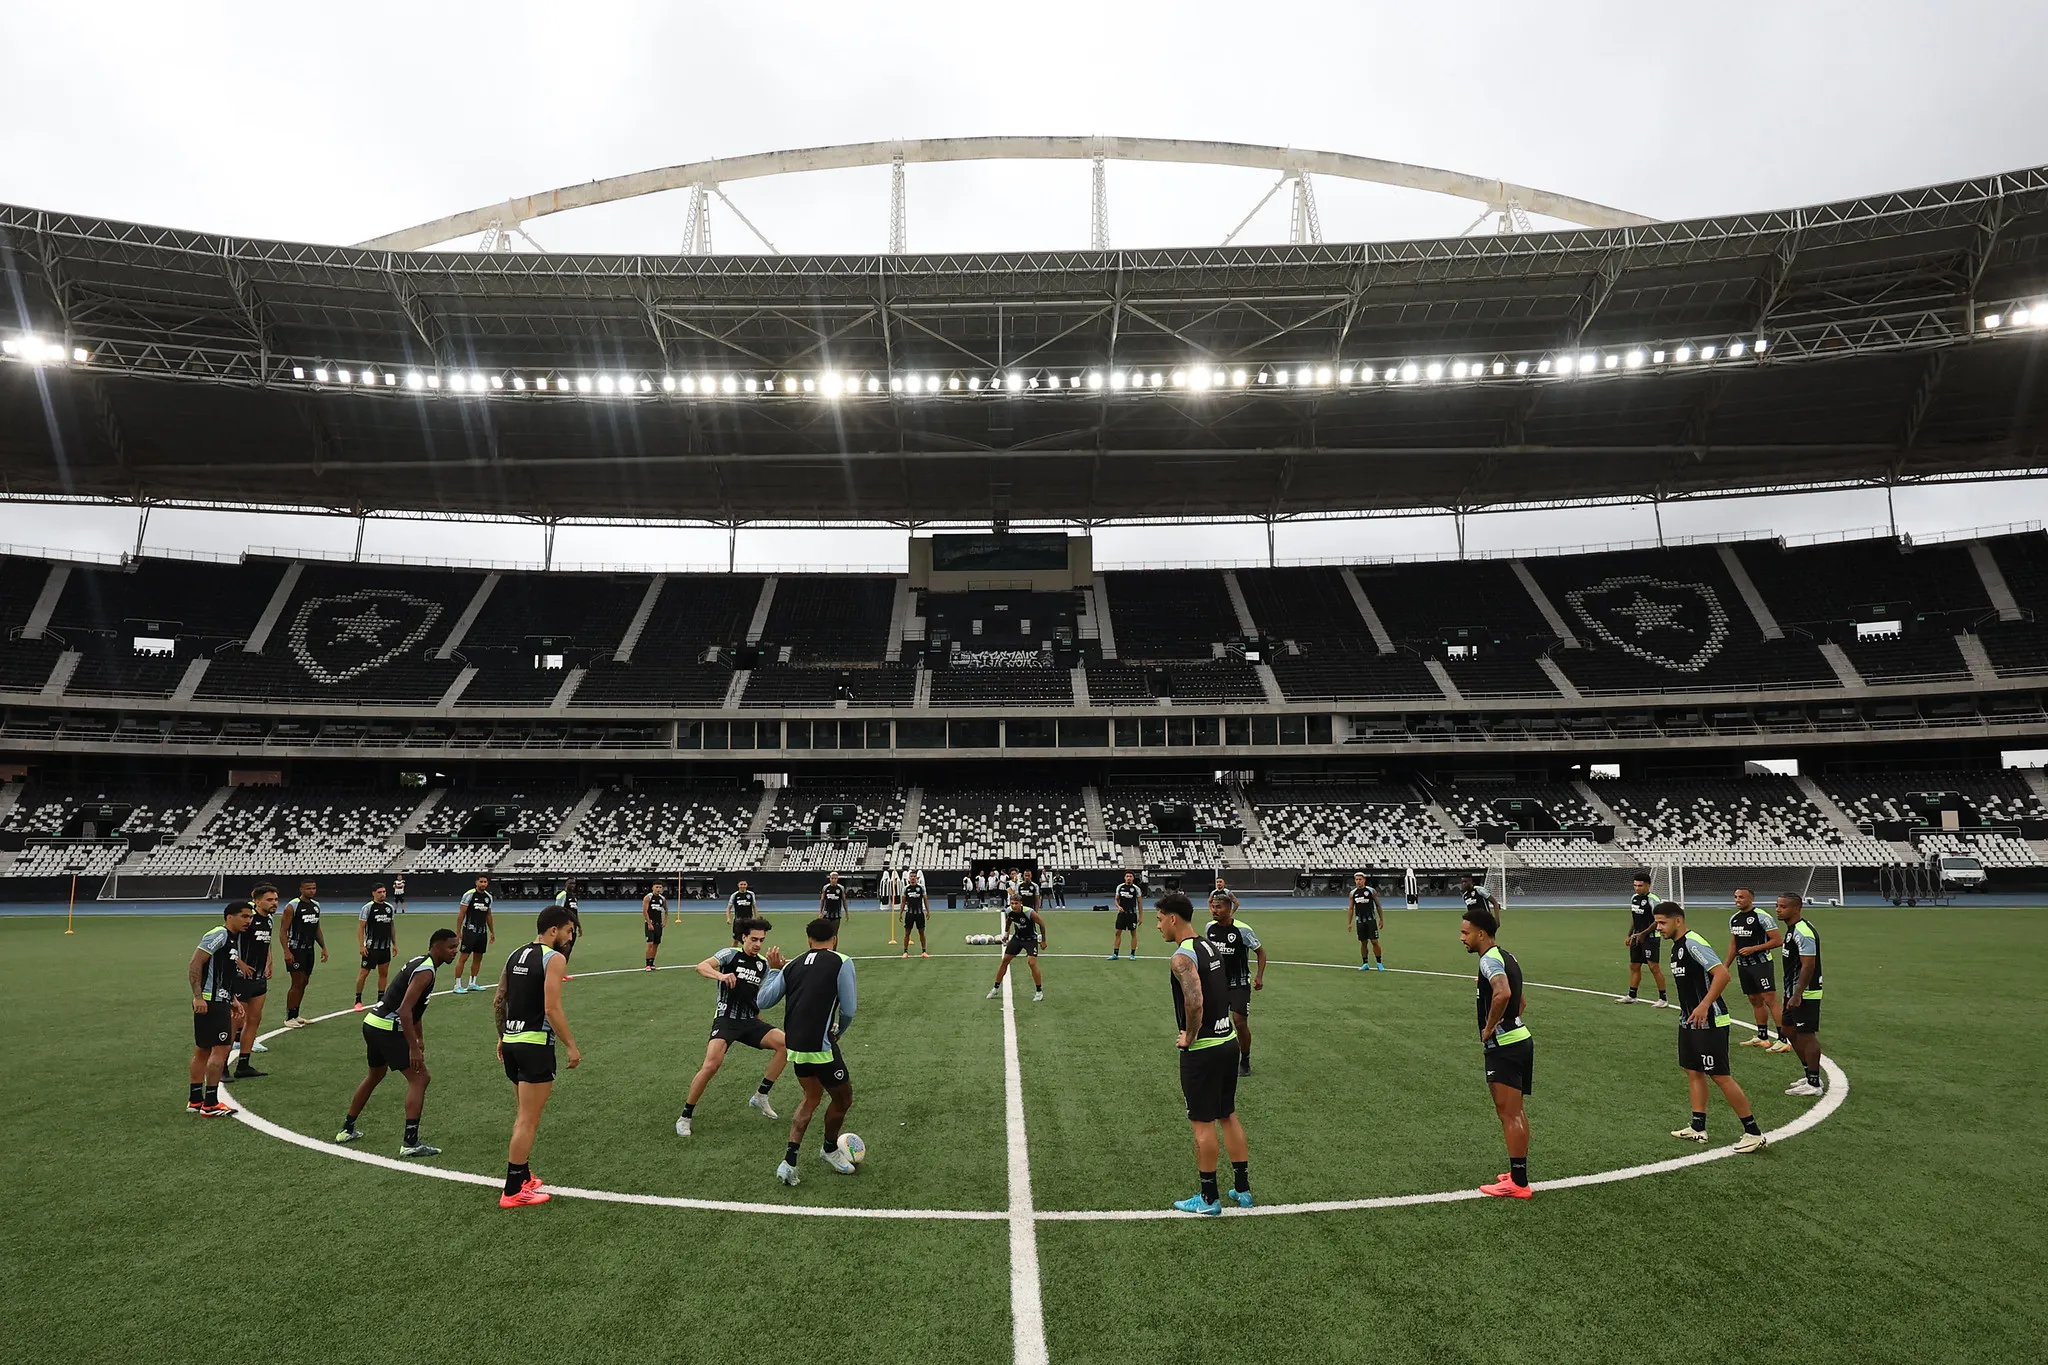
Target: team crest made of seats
[1661, 621]
[342, 637]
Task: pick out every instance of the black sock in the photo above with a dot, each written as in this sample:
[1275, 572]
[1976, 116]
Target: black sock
[1631, 992]
[198, 1095]
[412, 1132]
[516, 1175]
[349, 1122]
[1208, 1185]
[688, 1110]
[359, 997]
[1699, 1121]
[790, 1156]
[1749, 1126]
[1241, 1176]
[1518, 1170]
[1763, 1031]
[212, 1094]
[767, 1084]
[1813, 1077]
[1660, 998]
[291, 1012]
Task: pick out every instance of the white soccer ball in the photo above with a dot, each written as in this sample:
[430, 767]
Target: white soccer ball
[856, 1150]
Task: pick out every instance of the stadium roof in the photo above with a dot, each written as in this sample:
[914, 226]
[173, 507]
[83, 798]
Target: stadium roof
[170, 367]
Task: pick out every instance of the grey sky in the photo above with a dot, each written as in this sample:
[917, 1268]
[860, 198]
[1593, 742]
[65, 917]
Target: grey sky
[335, 123]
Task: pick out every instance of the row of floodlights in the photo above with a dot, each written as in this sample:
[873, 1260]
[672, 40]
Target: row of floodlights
[37, 351]
[2021, 315]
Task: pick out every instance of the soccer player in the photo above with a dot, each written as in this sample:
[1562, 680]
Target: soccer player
[1703, 1028]
[1642, 942]
[1130, 901]
[215, 1012]
[302, 934]
[653, 915]
[1752, 934]
[738, 906]
[1362, 913]
[566, 898]
[915, 906]
[528, 1007]
[1236, 944]
[1023, 935]
[832, 899]
[1059, 890]
[1222, 889]
[479, 930]
[1801, 1010]
[747, 984]
[1208, 1080]
[395, 1040]
[251, 981]
[376, 931]
[1027, 889]
[398, 892]
[1478, 897]
[819, 988]
[1505, 1043]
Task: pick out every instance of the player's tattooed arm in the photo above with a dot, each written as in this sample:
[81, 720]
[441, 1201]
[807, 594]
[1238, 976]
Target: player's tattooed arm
[194, 970]
[1183, 967]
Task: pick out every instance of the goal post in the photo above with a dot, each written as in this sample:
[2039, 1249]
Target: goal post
[160, 886]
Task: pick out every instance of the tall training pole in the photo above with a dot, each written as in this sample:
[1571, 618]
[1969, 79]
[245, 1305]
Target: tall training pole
[70, 909]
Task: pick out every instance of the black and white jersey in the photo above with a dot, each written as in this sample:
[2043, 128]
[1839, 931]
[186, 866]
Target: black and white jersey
[1693, 960]
[526, 995]
[1642, 913]
[914, 899]
[379, 920]
[744, 998]
[1365, 904]
[302, 933]
[1236, 945]
[819, 987]
[476, 910]
[1027, 891]
[657, 905]
[1018, 926]
[1214, 1026]
[1802, 941]
[393, 1000]
[1128, 894]
[832, 900]
[219, 946]
[1478, 898]
[740, 904]
[253, 943]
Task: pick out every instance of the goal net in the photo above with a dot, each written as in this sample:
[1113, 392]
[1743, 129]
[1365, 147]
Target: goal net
[185, 886]
[1671, 879]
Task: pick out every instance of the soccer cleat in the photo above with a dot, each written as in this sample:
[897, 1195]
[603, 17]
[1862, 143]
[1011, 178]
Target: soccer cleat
[1751, 1142]
[1781, 1046]
[1624, 1000]
[349, 1134]
[1365, 966]
[993, 992]
[1690, 1135]
[245, 1072]
[1379, 966]
[1037, 996]
[1194, 1203]
[650, 966]
[786, 1173]
[568, 976]
[1754, 1042]
[294, 1023]
[195, 1106]
[1804, 1088]
[906, 954]
[217, 1110]
[461, 988]
[838, 1160]
[683, 1126]
[419, 1149]
[1111, 958]
[259, 1048]
[527, 1195]
[924, 954]
[359, 1007]
[1244, 1066]
[1506, 1188]
[1243, 1198]
[760, 1103]
[532, 1182]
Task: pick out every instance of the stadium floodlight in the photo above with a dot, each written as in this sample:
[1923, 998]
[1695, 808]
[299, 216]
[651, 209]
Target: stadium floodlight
[1589, 362]
[1323, 375]
[1239, 378]
[931, 383]
[668, 383]
[583, 384]
[1500, 367]
[390, 380]
[953, 382]
[1706, 353]
[974, 383]
[810, 385]
[729, 385]
[1158, 379]
[1656, 357]
[1762, 345]
[518, 382]
[604, 383]
[789, 383]
[1282, 377]
[874, 385]
[646, 384]
[1302, 376]
[497, 381]
[1735, 350]
[1435, 371]
[1408, 372]
[1684, 353]
[476, 383]
[1611, 361]
[1198, 379]
[414, 381]
[9, 346]
[344, 376]
[434, 381]
[80, 355]
[895, 383]
[298, 371]
[1095, 380]
[753, 384]
[1991, 321]
[1346, 375]
[1180, 379]
[320, 375]
[1635, 360]
[1522, 367]
[1365, 375]
[542, 384]
[1542, 366]
[1012, 383]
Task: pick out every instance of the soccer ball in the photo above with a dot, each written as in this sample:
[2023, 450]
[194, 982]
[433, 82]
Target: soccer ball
[982, 940]
[856, 1150]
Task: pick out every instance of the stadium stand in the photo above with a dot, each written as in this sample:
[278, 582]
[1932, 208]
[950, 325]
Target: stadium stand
[960, 824]
[1743, 821]
[1351, 826]
[1042, 686]
[1819, 586]
[272, 831]
[654, 827]
[830, 619]
[695, 614]
[1170, 613]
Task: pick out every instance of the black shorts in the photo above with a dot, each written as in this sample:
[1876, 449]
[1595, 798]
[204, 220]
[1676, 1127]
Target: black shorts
[1705, 1049]
[375, 956]
[299, 961]
[477, 941]
[216, 1027]
[1208, 1082]
[1240, 999]
[1513, 1064]
[832, 1073]
[913, 919]
[1021, 947]
[747, 1031]
[529, 1063]
[1646, 949]
[1127, 919]
[1368, 930]
[651, 930]
[1756, 978]
[1803, 1019]
[249, 987]
[386, 1047]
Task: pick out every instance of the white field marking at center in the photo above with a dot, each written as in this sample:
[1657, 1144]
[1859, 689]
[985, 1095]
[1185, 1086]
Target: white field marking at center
[1837, 1092]
[1027, 1310]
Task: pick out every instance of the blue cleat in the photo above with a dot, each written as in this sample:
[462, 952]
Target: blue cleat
[1365, 966]
[1380, 967]
[1110, 958]
[1243, 1198]
[1194, 1203]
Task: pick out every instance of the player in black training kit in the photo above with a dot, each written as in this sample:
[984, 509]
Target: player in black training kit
[528, 1007]
[1509, 1051]
[1130, 901]
[479, 930]
[1703, 1028]
[832, 899]
[1642, 942]
[215, 1011]
[1802, 995]
[819, 987]
[376, 932]
[1362, 913]
[1023, 936]
[253, 966]
[1208, 1076]
[299, 926]
[566, 899]
[654, 915]
[395, 1040]
[1478, 897]
[747, 984]
[738, 906]
[1752, 934]
[1237, 945]
[916, 904]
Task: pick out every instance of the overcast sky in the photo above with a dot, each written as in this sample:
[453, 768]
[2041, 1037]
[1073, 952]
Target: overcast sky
[339, 122]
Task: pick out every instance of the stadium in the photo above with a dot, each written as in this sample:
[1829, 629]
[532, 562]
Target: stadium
[1824, 715]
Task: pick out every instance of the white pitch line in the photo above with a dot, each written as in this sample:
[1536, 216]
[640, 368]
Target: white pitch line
[1027, 1310]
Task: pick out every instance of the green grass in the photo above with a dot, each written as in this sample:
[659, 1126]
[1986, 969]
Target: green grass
[1907, 1226]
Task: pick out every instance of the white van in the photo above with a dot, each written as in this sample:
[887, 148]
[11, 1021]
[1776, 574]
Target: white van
[1959, 871]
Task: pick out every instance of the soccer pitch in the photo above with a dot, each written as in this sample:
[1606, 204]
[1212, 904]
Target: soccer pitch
[1905, 1225]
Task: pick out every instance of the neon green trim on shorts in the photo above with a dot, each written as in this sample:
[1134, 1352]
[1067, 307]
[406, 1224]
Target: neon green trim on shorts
[376, 1020]
[526, 1038]
[1519, 1034]
[811, 1058]
[1201, 1043]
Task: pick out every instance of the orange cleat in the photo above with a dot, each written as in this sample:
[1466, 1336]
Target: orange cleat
[1506, 1188]
[527, 1195]
[218, 1111]
[533, 1182]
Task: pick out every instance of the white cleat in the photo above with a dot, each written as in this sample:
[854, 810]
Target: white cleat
[1804, 1089]
[1690, 1135]
[993, 992]
[1037, 996]
[294, 1023]
[1751, 1142]
[259, 1048]
[839, 1161]
[1624, 1000]
[786, 1173]
[760, 1103]
[683, 1126]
